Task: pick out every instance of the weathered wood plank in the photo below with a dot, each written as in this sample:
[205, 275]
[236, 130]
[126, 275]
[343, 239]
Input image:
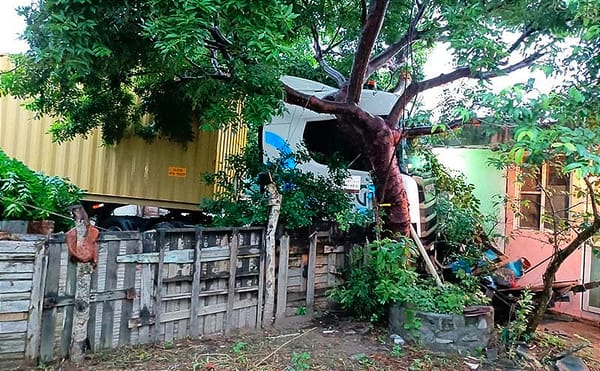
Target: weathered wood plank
[16, 266]
[15, 286]
[145, 302]
[7, 307]
[6, 276]
[195, 299]
[129, 284]
[48, 314]
[18, 256]
[110, 284]
[231, 295]
[310, 279]
[12, 296]
[8, 321]
[11, 346]
[70, 289]
[19, 246]
[261, 285]
[159, 285]
[282, 277]
[204, 311]
[186, 256]
[95, 307]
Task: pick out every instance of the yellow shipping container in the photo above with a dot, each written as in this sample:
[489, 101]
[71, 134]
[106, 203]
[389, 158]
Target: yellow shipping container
[158, 173]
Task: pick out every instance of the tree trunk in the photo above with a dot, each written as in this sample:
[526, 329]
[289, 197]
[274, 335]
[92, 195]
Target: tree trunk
[390, 191]
[550, 275]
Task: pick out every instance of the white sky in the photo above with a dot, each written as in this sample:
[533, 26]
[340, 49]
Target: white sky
[11, 25]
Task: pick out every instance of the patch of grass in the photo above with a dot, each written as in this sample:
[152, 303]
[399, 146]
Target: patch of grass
[301, 311]
[300, 361]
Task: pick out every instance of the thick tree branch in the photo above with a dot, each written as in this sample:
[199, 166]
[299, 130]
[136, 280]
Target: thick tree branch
[324, 106]
[407, 39]
[526, 62]
[369, 34]
[417, 87]
[528, 32]
[381, 59]
[330, 71]
[462, 72]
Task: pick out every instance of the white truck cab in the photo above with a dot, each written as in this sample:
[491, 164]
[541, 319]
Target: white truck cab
[301, 128]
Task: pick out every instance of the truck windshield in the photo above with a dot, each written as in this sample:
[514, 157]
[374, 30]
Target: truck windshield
[324, 142]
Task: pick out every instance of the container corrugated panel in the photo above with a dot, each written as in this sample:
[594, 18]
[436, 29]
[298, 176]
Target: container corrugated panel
[158, 173]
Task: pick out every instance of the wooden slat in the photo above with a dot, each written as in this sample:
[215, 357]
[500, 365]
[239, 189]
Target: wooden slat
[48, 315]
[158, 285]
[7, 307]
[110, 283]
[231, 295]
[195, 300]
[310, 279]
[129, 284]
[282, 277]
[70, 287]
[16, 267]
[186, 256]
[204, 311]
[261, 283]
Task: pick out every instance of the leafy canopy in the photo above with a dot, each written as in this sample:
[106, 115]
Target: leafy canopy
[107, 63]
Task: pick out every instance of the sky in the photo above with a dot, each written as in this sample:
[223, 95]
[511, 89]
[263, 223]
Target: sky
[11, 25]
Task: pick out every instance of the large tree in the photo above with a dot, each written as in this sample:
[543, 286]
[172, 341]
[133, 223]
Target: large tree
[207, 62]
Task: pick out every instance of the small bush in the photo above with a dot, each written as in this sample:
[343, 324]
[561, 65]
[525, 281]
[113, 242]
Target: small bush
[385, 275]
[29, 195]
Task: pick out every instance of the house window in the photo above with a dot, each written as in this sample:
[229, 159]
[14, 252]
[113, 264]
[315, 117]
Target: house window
[544, 192]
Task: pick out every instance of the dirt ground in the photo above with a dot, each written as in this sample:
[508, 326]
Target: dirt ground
[328, 343]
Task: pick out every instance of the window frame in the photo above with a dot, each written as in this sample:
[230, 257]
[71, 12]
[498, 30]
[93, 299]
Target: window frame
[541, 208]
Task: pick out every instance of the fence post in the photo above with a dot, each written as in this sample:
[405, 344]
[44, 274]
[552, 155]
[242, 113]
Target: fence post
[34, 324]
[310, 279]
[282, 277]
[275, 206]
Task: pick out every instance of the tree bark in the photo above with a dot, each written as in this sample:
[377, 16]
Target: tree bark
[274, 208]
[549, 276]
[81, 314]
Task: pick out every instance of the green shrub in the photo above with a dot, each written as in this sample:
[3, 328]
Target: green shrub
[29, 195]
[307, 198]
[385, 274]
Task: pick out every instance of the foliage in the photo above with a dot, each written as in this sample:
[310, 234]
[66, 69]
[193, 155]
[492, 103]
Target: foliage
[307, 198]
[300, 361]
[460, 222]
[516, 331]
[29, 195]
[106, 64]
[384, 274]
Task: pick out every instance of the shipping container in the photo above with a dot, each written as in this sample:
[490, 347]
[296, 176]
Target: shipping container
[158, 173]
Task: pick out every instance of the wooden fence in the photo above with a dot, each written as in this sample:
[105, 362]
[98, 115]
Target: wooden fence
[308, 267]
[164, 286]
[22, 270]
[156, 286]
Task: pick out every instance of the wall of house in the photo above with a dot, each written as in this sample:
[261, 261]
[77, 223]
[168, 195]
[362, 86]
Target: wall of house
[534, 246]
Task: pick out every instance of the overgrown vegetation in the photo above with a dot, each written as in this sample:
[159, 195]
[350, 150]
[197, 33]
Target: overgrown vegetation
[29, 195]
[307, 198]
[385, 274]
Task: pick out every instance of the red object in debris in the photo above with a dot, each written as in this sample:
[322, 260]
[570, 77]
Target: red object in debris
[84, 251]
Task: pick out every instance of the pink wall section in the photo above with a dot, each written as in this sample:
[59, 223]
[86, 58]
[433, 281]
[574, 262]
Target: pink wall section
[533, 245]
